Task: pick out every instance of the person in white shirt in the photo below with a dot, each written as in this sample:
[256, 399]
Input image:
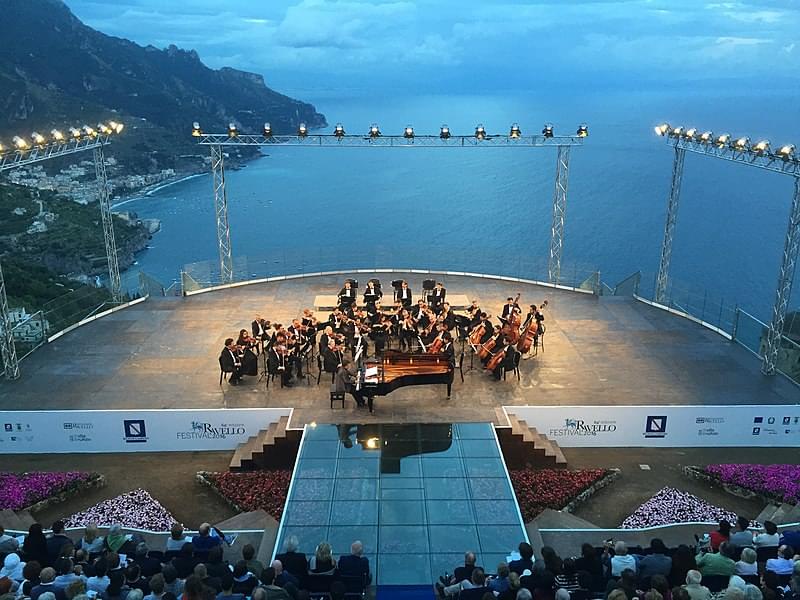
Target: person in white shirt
[176, 539]
[622, 560]
[770, 538]
[747, 565]
[91, 541]
[784, 564]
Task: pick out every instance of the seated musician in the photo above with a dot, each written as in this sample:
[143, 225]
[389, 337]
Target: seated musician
[447, 316]
[404, 295]
[509, 307]
[260, 329]
[372, 293]
[331, 357]
[437, 333]
[499, 343]
[407, 330]
[507, 364]
[379, 332]
[248, 352]
[335, 320]
[418, 311]
[347, 295]
[436, 299]
[229, 362]
[345, 381]
[474, 312]
[278, 358]
[488, 328]
[309, 321]
[360, 340]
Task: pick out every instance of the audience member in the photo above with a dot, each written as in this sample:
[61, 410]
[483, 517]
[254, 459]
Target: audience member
[134, 594]
[82, 564]
[6, 593]
[148, 566]
[652, 594]
[626, 582]
[272, 591]
[500, 582]
[679, 592]
[721, 535]
[64, 573]
[46, 579]
[694, 587]
[35, 545]
[524, 562]
[355, 564]
[115, 539]
[322, 562]
[228, 593]
[621, 559]
[91, 541]
[742, 537]
[176, 539]
[184, 563]
[746, 565]
[525, 594]
[31, 578]
[770, 538]
[211, 582]
[733, 593]
[655, 563]
[284, 578]
[204, 541]
[56, 541]
[172, 584]
[513, 588]
[254, 565]
[752, 592]
[75, 589]
[215, 566]
[568, 578]
[8, 543]
[293, 561]
[660, 584]
[243, 580]
[477, 580]
[13, 568]
[194, 589]
[784, 564]
[114, 589]
[156, 585]
[682, 562]
[552, 561]
[591, 562]
[717, 563]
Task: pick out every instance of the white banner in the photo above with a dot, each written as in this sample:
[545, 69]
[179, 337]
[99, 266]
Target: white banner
[665, 426]
[176, 430]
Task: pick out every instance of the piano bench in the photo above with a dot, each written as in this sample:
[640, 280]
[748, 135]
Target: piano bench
[337, 397]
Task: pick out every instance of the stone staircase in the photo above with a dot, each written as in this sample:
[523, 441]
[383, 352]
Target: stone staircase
[524, 447]
[274, 447]
[18, 520]
[780, 514]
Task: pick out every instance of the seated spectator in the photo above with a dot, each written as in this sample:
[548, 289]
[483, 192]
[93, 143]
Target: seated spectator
[176, 539]
[784, 564]
[717, 563]
[31, 578]
[212, 582]
[752, 592]
[788, 538]
[499, 583]
[525, 594]
[513, 588]
[721, 535]
[272, 591]
[591, 562]
[733, 593]
[92, 541]
[135, 594]
[184, 563]
[243, 580]
[64, 573]
[652, 594]
[355, 564]
[156, 585]
[742, 537]
[322, 562]
[562, 594]
[660, 584]
[48, 596]
[568, 578]
[75, 589]
[476, 580]
[524, 562]
[772, 586]
[35, 545]
[99, 580]
[747, 563]
[621, 559]
[293, 561]
[135, 581]
[115, 539]
[13, 568]
[682, 562]
[82, 564]
[679, 593]
[204, 541]
[8, 543]
[694, 587]
[284, 578]
[215, 566]
[261, 594]
[770, 537]
[56, 541]
[6, 593]
[227, 592]
[172, 584]
[195, 590]
[46, 579]
[254, 565]
[148, 566]
[552, 561]
[114, 589]
[655, 563]
[626, 583]
[112, 558]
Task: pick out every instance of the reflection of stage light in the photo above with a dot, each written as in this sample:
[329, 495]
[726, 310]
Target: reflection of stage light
[312, 424]
[373, 442]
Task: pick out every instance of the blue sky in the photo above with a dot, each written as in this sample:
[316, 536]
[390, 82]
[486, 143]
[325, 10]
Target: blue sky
[452, 44]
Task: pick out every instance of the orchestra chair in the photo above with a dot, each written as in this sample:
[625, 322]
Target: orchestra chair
[321, 370]
[336, 397]
[517, 356]
[271, 375]
[223, 374]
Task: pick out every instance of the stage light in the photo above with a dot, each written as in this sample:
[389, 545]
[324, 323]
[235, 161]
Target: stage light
[583, 131]
[547, 130]
[444, 132]
[38, 139]
[267, 130]
[785, 152]
[232, 130]
[662, 129]
[761, 147]
[515, 132]
[723, 139]
[75, 133]
[480, 131]
[690, 133]
[372, 443]
[88, 131]
[196, 131]
[116, 127]
[20, 143]
[374, 131]
[743, 143]
[56, 135]
[104, 129]
[676, 132]
[408, 132]
[302, 130]
[2, 149]
[707, 137]
[339, 131]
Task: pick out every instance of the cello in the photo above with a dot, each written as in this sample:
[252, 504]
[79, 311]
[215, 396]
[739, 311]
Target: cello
[477, 333]
[511, 326]
[486, 349]
[496, 359]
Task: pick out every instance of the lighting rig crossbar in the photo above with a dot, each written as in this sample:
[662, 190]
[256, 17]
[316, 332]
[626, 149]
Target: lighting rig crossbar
[374, 138]
[39, 149]
[761, 155]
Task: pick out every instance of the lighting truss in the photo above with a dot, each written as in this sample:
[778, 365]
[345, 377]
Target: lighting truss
[233, 138]
[760, 156]
[13, 159]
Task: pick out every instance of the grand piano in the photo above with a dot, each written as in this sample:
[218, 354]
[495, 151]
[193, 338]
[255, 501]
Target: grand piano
[397, 369]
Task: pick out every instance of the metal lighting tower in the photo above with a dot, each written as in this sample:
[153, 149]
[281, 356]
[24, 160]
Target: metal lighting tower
[25, 153]
[780, 160]
[375, 139]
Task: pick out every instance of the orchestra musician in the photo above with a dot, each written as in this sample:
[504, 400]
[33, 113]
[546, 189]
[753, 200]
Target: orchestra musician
[508, 308]
[278, 358]
[403, 295]
[499, 343]
[407, 330]
[474, 312]
[229, 362]
[372, 294]
[347, 295]
[449, 351]
[247, 347]
[332, 358]
[438, 294]
[447, 316]
[260, 329]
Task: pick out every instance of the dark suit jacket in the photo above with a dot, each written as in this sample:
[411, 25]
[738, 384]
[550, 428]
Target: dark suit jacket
[41, 589]
[54, 545]
[507, 310]
[354, 566]
[294, 562]
[330, 360]
[227, 360]
[405, 296]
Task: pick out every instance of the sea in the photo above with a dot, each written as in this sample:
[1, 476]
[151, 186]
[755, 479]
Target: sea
[487, 209]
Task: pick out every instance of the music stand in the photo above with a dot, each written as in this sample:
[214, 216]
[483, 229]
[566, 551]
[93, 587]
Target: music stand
[353, 283]
[427, 286]
[370, 298]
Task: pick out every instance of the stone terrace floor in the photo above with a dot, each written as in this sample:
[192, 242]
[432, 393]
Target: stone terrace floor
[163, 353]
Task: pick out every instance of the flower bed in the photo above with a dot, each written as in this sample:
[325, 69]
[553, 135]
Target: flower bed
[136, 509]
[20, 491]
[254, 490]
[778, 482]
[538, 489]
[670, 505]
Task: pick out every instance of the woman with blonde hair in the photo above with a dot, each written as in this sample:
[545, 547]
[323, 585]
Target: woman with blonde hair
[92, 541]
[322, 563]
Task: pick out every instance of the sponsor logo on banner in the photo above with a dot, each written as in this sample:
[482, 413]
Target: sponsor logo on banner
[709, 420]
[135, 431]
[74, 426]
[202, 430]
[580, 427]
[756, 430]
[758, 419]
[771, 421]
[8, 427]
[655, 426]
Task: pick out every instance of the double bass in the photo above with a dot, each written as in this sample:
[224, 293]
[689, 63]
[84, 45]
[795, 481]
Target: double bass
[511, 326]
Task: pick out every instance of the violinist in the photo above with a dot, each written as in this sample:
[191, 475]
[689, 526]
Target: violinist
[438, 294]
[277, 359]
[419, 314]
[331, 358]
[309, 321]
[229, 362]
[509, 308]
[403, 295]
[335, 320]
[474, 312]
[447, 316]
[260, 329]
[248, 356]
[347, 295]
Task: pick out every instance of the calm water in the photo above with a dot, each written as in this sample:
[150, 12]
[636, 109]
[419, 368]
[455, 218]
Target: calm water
[476, 202]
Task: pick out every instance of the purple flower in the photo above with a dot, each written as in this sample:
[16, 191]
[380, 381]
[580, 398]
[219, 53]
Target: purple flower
[21, 490]
[136, 509]
[779, 481]
[670, 505]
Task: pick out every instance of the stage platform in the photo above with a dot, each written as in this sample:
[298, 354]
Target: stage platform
[162, 353]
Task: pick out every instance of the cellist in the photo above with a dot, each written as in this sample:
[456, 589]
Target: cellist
[492, 345]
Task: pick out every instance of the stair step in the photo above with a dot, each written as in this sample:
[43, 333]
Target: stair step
[793, 516]
[779, 516]
[11, 521]
[264, 553]
[766, 514]
[255, 519]
[500, 417]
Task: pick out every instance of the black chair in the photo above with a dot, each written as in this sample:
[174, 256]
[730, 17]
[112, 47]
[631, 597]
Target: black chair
[336, 397]
[318, 585]
[222, 372]
[156, 554]
[754, 579]
[322, 370]
[517, 357]
[272, 374]
[355, 585]
[715, 583]
[169, 555]
[765, 553]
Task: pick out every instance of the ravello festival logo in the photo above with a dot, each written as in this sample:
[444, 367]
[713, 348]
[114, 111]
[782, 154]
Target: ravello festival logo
[201, 430]
[582, 427]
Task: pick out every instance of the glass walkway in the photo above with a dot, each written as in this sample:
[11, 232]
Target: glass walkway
[417, 496]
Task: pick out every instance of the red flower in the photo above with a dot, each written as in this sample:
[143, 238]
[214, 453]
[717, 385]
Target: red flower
[264, 490]
[550, 488]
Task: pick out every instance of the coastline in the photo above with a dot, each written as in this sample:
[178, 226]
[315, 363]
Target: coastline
[146, 192]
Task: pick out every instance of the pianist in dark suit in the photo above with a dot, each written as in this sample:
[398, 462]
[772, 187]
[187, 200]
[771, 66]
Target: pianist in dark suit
[345, 381]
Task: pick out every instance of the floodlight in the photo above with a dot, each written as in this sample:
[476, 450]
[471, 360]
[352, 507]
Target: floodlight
[662, 129]
[75, 133]
[742, 143]
[408, 132]
[196, 131]
[723, 139]
[267, 130]
[88, 131]
[676, 132]
[232, 130]
[56, 135]
[38, 138]
[547, 130]
[761, 147]
[338, 131]
[690, 133]
[374, 131]
[786, 151]
[444, 132]
[583, 131]
[20, 143]
[515, 132]
[302, 130]
[707, 137]
[372, 443]
[480, 131]
[116, 127]
[104, 129]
